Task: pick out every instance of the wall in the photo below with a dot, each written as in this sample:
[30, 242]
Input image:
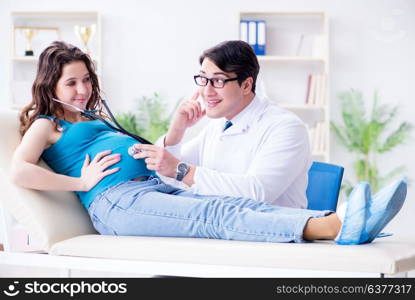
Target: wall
[153, 46]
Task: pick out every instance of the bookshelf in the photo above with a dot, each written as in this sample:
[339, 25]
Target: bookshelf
[47, 26]
[295, 69]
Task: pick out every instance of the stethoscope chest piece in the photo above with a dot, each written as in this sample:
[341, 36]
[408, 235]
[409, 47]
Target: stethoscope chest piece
[133, 151]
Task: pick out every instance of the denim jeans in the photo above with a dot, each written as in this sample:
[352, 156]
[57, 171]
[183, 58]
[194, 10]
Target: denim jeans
[153, 208]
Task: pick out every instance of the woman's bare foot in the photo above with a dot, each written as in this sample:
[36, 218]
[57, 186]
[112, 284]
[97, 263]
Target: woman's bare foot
[323, 228]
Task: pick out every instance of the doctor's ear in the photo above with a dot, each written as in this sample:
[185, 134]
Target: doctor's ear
[247, 85]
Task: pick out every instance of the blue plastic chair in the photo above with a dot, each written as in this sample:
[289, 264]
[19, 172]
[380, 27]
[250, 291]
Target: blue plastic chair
[324, 181]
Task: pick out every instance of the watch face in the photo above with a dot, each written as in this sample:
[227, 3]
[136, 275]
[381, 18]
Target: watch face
[182, 167]
[182, 170]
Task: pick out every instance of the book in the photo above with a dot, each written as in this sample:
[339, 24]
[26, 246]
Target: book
[321, 89]
[323, 92]
[252, 35]
[307, 96]
[317, 85]
[243, 31]
[316, 89]
[261, 38]
[300, 45]
[317, 137]
[318, 46]
[311, 91]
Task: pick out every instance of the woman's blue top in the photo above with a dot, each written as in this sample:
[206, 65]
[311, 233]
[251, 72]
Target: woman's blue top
[67, 155]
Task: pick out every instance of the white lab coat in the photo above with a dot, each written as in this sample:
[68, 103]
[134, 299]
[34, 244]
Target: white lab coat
[265, 155]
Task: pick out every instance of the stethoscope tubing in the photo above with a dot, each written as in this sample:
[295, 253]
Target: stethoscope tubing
[90, 114]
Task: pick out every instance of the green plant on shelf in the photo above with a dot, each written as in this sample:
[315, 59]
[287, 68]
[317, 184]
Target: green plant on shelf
[368, 135]
[149, 120]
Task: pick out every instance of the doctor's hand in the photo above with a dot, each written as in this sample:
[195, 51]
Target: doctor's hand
[157, 159]
[92, 172]
[188, 113]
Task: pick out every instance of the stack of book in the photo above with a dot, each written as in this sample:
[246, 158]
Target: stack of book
[316, 89]
[254, 33]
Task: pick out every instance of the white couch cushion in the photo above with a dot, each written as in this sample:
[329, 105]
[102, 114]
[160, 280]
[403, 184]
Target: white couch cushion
[49, 217]
[387, 255]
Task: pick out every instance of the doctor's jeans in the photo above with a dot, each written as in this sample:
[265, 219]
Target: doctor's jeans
[153, 208]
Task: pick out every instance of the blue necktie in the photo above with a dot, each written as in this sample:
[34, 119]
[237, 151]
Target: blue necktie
[227, 125]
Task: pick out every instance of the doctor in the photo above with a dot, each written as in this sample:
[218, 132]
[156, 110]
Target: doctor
[250, 148]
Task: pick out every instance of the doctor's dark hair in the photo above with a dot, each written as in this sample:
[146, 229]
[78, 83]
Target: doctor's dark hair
[234, 57]
[49, 71]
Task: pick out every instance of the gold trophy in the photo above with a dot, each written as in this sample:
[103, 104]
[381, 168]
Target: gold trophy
[29, 33]
[85, 33]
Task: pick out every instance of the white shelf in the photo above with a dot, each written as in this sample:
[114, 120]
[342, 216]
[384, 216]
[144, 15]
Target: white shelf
[30, 59]
[284, 13]
[290, 59]
[35, 59]
[54, 16]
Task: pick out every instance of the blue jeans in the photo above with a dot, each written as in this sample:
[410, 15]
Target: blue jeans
[153, 208]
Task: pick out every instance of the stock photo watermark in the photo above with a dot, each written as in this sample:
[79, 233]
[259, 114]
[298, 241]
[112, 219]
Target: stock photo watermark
[388, 29]
[71, 288]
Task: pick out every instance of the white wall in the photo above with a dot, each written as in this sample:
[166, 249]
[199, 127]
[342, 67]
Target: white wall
[153, 46]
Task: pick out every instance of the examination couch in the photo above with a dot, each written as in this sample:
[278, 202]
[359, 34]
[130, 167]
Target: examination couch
[66, 240]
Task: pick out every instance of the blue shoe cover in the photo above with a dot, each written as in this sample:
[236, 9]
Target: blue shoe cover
[384, 206]
[356, 214]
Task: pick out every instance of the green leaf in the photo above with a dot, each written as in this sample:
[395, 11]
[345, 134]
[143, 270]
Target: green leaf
[129, 122]
[368, 135]
[339, 131]
[361, 167]
[399, 136]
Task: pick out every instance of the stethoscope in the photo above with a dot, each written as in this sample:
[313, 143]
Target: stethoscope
[90, 114]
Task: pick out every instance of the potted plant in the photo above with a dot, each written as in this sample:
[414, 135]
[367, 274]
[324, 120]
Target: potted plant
[368, 135]
[149, 120]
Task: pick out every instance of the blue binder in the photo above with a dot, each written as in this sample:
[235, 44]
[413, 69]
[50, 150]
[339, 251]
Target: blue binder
[260, 38]
[243, 31]
[252, 35]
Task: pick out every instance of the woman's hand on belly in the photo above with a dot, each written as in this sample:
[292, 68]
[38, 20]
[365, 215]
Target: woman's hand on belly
[93, 171]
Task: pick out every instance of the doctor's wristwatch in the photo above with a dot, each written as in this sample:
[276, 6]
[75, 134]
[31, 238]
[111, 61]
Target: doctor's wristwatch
[181, 170]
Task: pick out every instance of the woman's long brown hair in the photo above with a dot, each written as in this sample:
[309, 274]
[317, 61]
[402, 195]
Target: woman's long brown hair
[49, 70]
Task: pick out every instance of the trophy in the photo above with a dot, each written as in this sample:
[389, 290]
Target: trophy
[85, 33]
[28, 33]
